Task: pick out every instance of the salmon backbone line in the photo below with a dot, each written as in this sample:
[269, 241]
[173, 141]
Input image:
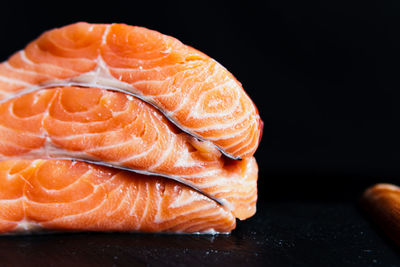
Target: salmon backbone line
[114, 89]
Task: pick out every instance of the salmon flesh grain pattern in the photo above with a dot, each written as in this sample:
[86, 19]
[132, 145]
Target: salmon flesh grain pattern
[121, 128]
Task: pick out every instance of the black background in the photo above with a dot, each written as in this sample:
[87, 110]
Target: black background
[324, 75]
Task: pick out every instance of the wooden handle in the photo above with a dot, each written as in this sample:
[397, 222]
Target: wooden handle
[382, 202]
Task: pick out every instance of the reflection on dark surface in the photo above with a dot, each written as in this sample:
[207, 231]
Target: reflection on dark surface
[84, 249]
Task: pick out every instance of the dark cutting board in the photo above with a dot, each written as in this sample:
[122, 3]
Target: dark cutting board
[295, 225]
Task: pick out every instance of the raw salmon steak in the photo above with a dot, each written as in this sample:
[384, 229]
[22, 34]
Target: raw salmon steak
[121, 128]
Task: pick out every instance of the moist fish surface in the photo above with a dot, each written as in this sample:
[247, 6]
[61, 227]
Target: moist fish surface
[162, 116]
[83, 197]
[190, 88]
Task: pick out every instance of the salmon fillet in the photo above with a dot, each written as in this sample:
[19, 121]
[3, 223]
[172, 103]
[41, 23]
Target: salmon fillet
[80, 196]
[100, 111]
[191, 89]
[110, 127]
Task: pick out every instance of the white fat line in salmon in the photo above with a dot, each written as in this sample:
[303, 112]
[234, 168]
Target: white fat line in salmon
[49, 85]
[83, 158]
[171, 177]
